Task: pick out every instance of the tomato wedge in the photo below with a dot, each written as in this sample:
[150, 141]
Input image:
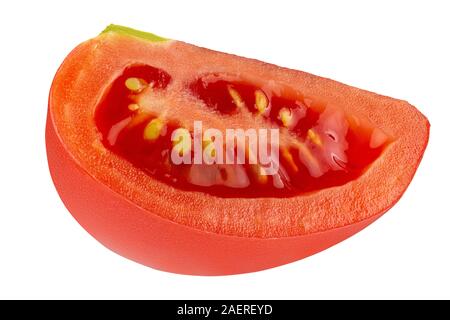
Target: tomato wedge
[200, 162]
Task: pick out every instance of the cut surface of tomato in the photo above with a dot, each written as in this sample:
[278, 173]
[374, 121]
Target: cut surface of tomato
[129, 113]
[321, 145]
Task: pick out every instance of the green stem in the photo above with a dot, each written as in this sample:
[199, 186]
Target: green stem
[133, 32]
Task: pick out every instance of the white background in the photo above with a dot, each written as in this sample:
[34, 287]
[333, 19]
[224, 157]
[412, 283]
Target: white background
[397, 48]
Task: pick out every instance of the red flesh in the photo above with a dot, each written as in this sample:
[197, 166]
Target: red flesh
[154, 156]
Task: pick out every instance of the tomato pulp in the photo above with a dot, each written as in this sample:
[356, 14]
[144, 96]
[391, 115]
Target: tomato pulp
[123, 104]
[323, 147]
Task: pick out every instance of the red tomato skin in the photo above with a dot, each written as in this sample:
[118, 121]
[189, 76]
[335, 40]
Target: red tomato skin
[149, 239]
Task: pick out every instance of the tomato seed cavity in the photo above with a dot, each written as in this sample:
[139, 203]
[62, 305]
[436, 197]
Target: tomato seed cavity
[321, 147]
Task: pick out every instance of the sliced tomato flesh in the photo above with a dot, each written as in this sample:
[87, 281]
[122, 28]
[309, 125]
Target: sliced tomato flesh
[320, 146]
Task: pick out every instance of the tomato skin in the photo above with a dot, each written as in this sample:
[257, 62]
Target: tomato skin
[149, 239]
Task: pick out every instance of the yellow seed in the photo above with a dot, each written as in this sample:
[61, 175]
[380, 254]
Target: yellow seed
[133, 107]
[262, 179]
[182, 145]
[288, 156]
[135, 84]
[314, 137]
[236, 97]
[153, 129]
[212, 150]
[285, 115]
[261, 101]
[258, 170]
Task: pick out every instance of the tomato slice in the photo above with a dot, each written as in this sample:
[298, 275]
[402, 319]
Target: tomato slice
[137, 141]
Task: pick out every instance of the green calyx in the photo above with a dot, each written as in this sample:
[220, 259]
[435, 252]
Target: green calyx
[132, 32]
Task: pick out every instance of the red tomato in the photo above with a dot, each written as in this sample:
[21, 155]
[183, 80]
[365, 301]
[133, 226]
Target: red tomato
[133, 119]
